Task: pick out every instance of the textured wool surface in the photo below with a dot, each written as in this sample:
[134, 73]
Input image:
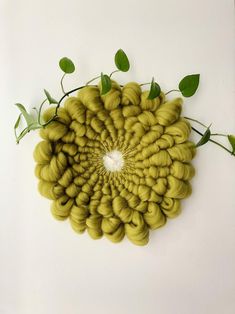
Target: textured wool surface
[152, 137]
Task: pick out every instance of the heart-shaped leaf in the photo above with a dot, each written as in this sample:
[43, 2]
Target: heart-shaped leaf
[231, 139]
[105, 84]
[121, 61]
[189, 84]
[67, 65]
[49, 98]
[28, 118]
[155, 90]
[205, 138]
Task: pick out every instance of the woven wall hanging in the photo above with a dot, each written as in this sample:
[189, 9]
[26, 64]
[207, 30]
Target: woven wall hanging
[115, 160]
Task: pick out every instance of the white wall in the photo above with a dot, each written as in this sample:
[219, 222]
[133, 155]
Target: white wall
[188, 266]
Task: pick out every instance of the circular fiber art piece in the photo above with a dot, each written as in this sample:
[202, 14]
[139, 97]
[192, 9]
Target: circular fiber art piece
[116, 164]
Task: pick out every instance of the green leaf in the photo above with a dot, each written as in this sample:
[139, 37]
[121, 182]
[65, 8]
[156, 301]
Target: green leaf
[49, 98]
[17, 122]
[67, 65]
[121, 61]
[22, 134]
[28, 118]
[231, 139]
[34, 126]
[189, 84]
[105, 84]
[205, 138]
[16, 127]
[155, 90]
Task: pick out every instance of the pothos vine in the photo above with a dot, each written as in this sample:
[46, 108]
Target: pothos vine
[187, 87]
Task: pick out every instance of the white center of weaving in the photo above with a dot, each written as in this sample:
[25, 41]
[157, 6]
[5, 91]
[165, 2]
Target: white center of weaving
[113, 161]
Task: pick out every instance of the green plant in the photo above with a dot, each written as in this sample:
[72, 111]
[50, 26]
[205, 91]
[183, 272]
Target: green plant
[187, 87]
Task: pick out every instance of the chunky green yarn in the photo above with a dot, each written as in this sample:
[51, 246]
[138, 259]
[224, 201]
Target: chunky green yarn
[153, 140]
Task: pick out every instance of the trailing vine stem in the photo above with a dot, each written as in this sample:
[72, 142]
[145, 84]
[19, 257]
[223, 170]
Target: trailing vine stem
[187, 86]
[219, 134]
[217, 143]
[61, 83]
[39, 124]
[43, 125]
[143, 84]
[40, 110]
[212, 134]
[188, 118]
[95, 78]
[172, 90]
[115, 71]
[194, 120]
[25, 131]
[59, 103]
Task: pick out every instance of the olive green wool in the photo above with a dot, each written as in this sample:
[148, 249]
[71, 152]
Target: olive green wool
[153, 140]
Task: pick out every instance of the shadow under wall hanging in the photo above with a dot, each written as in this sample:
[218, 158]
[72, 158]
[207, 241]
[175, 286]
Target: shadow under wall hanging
[114, 159]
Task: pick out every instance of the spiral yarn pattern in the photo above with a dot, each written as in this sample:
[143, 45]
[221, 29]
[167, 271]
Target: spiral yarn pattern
[153, 139]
